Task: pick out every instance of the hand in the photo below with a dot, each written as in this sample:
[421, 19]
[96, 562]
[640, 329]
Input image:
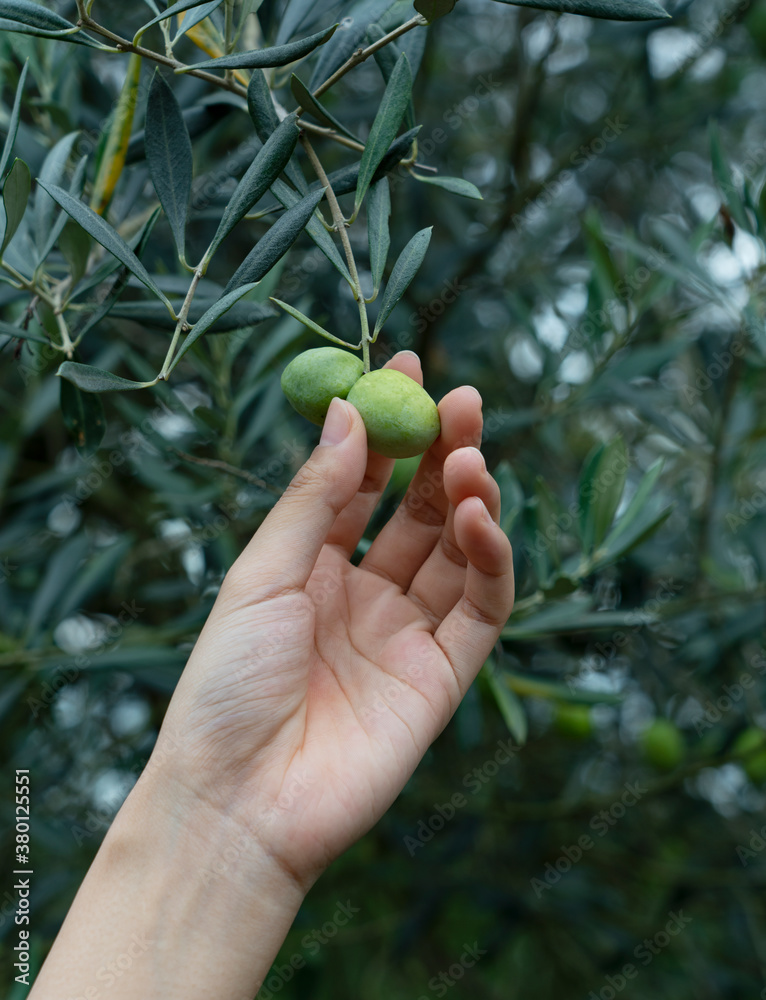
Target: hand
[316, 686]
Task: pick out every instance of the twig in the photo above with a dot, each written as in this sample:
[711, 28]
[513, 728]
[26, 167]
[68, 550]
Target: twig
[232, 470]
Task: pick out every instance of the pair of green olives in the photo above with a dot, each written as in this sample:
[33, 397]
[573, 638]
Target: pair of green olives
[400, 417]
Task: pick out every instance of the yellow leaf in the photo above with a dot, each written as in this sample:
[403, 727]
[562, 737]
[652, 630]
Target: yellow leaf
[116, 148]
[207, 37]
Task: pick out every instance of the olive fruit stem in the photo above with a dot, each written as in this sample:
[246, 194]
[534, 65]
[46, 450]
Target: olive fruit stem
[341, 226]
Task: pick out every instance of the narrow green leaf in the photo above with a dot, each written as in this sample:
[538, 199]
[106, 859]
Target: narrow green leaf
[56, 227]
[91, 379]
[169, 156]
[74, 244]
[13, 124]
[644, 514]
[404, 271]
[70, 34]
[199, 14]
[386, 58]
[433, 9]
[151, 313]
[358, 17]
[387, 121]
[508, 702]
[511, 495]
[292, 18]
[9, 330]
[104, 234]
[303, 318]
[97, 573]
[83, 415]
[106, 303]
[53, 171]
[258, 178]
[314, 228]
[601, 487]
[276, 242]
[176, 8]
[266, 121]
[16, 190]
[59, 574]
[274, 55]
[261, 106]
[613, 10]
[309, 103]
[378, 236]
[203, 324]
[344, 181]
[723, 176]
[34, 15]
[456, 185]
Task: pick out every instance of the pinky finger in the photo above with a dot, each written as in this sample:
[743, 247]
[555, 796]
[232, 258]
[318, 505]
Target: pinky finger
[471, 629]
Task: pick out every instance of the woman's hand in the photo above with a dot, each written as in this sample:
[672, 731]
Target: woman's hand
[313, 691]
[316, 686]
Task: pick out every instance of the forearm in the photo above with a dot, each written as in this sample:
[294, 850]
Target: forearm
[179, 903]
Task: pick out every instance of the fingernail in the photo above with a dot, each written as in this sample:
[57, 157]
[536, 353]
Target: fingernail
[475, 391]
[337, 423]
[477, 452]
[484, 512]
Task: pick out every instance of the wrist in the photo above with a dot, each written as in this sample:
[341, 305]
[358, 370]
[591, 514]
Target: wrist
[190, 903]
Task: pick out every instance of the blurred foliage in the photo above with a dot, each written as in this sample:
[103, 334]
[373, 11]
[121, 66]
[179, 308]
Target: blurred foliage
[606, 297]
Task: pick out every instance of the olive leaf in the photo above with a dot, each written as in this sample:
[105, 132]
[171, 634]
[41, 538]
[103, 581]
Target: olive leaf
[314, 228]
[13, 124]
[601, 486]
[393, 105]
[83, 415]
[52, 172]
[177, 8]
[258, 178]
[275, 55]
[34, 15]
[309, 103]
[378, 237]
[96, 379]
[105, 304]
[169, 156]
[615, 10]
[112, 159]
[507, 701]
[386, 58]
[276, 242]
[104, 234]
[404, 271]
[433, 9]
[312, 325]
[15, 197]
[358, 17]
[198, 15]
[206, 321]
[456, 185]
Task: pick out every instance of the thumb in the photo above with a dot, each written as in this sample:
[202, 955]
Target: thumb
[283, 552]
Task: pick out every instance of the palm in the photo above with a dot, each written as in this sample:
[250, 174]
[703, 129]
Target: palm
[317, 700]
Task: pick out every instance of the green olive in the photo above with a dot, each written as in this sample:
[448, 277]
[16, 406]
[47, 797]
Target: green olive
[663, 745]
[754, 764]
[573, 721]
[312, 379]
[401, 418]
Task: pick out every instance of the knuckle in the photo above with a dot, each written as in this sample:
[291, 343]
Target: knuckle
[422, 510]
[453, 553]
